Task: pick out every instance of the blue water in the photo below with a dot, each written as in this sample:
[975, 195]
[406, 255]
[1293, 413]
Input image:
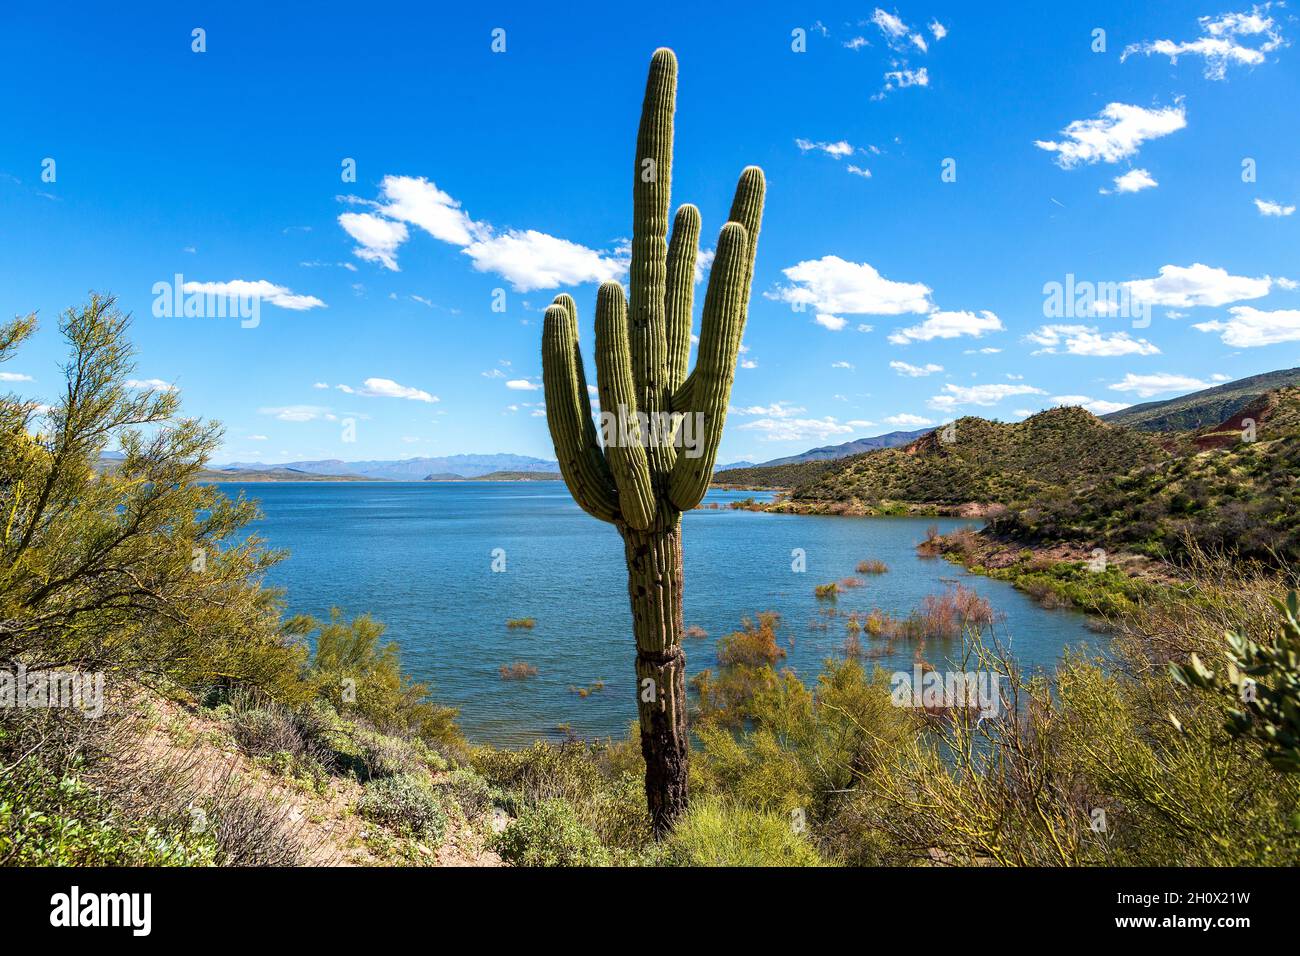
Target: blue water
[419, 557]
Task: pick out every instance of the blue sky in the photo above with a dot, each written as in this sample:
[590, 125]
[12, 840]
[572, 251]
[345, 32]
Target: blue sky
[889, 292]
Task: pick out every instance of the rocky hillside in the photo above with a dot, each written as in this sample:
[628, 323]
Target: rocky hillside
[1231, 486]
[1205, 408]
[976, 460]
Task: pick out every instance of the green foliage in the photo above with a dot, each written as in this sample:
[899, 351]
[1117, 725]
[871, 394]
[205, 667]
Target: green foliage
[50, 819]
[1262, 683]
[549, 833]
[987, 462]
[717, 833]
[405, 804]
[133, 569]
[598, 781]
[1218, 492]
[359, 675]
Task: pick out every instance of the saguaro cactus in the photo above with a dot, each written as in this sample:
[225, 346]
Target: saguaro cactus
[661, 427]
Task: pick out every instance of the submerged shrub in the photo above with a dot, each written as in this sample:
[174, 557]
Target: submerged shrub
[519, 670]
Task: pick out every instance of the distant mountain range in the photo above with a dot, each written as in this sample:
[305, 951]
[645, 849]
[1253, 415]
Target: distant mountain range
[833, 452]
[1187, 412]
[410, 469]
[1206, 407]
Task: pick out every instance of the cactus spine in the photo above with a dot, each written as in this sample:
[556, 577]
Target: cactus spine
[642, 479]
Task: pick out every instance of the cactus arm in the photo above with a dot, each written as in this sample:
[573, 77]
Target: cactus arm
[618, 406]
[746, 209]
[568, 414]
[651, 190]
[715, 368]
[680, 299]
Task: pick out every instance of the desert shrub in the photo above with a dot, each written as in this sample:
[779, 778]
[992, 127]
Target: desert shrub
[406, 805]
[360, 676]
[548, 833]
[717, 833]
[470, 792]
[826, 592]
[601, 783]
[872, 566]
[52, 819]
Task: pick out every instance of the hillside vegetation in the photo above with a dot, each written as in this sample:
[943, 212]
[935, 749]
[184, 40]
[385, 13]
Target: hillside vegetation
[1226, 487]
[1205, 408]
[986, 462]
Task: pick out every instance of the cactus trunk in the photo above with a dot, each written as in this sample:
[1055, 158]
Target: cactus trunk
[654, 584]
[639, 479]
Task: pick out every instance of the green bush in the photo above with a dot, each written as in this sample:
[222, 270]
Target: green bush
[549, 834]
[48, 819]
[405, 804]
[472, 793]
[715, 832]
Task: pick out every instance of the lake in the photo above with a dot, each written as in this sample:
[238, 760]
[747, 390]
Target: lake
[419, 557]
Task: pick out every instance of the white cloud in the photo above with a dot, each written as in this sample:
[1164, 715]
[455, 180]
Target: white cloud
[832, 322]
[387, 388]
[856, 43]
[421, 203]
[257, 438]
[948, 325]
[1133, 181]
[297, 413]
[528, 259]
[703, 263]
[847, 365]
[1267, 207]
[1146, 386]
[259, 289]
[1250, 327]
[1117, 133]
[1197, 284]
[988, 394]
[834, 150]
[522, 385]
[320, 385]
[150, 384]
[1087, 340]
[902, 79]
[748, 364]
[938, 29]
[1221, 44]
[1098, 406]
[904, 419]
[831, 285]
[377, 239]
[15, 377]
[861, 171]
[890, 25]
[775, 410]
[915, 371]
[797, 429]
